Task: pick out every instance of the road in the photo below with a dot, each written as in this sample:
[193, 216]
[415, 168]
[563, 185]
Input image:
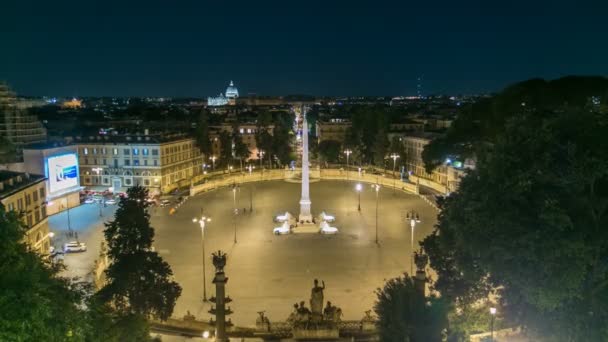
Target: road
[86, 222]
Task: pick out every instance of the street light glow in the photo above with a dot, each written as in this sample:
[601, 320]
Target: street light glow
[358, 187]
[205, 334]
[492, 311]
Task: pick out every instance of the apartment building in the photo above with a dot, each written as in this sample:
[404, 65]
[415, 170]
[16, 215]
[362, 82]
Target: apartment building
[26, 194]
[159, 162]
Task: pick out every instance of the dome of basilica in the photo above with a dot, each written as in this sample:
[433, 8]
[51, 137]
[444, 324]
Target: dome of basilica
[231, 91]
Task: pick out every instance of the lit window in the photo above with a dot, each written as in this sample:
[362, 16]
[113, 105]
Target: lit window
[248, 130]
[115, 151]
[242, 130]
[144, 151]
[135, 151]
[85, 150]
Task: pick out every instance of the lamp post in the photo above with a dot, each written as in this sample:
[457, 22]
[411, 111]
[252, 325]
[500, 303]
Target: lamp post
[213, 158]
[493, 313]
[347, 152]
[202, 221]
[358, 187]
[261, 157]
[98, 170]
[234, 187]
[414, 218]
[394, 156]
[377, 188]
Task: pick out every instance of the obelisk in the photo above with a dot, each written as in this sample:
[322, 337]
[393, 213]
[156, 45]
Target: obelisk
[305, 214]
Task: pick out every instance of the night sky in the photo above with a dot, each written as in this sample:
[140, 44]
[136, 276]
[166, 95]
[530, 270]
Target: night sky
[193, 48]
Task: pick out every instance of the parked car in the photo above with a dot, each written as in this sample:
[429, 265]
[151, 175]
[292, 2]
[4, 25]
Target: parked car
[74, 246]
[111, 201]
[89, 201]
[165, 203]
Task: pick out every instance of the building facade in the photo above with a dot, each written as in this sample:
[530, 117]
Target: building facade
[247, 132]
[26, 194]
[16, 124]
[447, 176]
[334, 129]
[160, 163]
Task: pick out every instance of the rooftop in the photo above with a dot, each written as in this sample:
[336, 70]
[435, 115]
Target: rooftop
[131, 139]
[11, 182]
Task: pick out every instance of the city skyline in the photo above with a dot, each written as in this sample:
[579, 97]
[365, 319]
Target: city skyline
[274, 49]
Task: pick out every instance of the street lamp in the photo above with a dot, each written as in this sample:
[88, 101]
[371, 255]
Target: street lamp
[347, 152]
[414, 218]
[98, 170]
[202, 221]
[234, 188]
[394, 156]
[261, 157]
[358, 187]
[493, 313]
[213, 158]
[377, 188]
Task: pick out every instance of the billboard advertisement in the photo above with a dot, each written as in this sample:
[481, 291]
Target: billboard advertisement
[62, 172]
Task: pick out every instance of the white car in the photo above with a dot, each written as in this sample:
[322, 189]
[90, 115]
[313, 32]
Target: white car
[283, 218]
[282, 230]
[327, 218]
[89, 201]
[74, 246]
[165, 203]
[111, 201]
[325, 228]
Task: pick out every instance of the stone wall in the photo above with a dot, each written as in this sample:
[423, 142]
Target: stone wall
[221, 180]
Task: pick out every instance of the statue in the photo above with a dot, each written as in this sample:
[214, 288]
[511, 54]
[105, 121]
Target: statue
[219, 261]
[332, 313]
[316, 298]
[303, 313]
[421, 260]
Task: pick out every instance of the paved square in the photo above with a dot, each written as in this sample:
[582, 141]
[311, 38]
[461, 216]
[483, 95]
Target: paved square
[268, 272]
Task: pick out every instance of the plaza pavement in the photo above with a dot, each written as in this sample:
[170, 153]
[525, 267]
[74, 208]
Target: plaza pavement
[271, 273]
[85, 221]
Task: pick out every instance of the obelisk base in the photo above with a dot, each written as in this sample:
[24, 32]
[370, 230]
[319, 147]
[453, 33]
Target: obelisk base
[305, 215]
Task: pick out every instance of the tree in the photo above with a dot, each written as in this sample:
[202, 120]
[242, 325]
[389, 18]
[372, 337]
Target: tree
[479, 124]
[35, 303]
[226, 155]
[139, 281]
[529, 222]
[329, 150]
[404, 314]
[241, 150]
[380, 147]
[202, 134]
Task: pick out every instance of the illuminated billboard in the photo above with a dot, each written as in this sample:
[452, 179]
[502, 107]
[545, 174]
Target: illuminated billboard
[62, 172]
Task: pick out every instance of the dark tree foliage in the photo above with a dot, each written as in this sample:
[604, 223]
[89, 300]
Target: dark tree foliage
[329, 150]
[202, 133]
[406, 315]
[531, 221]
[107, 325]
[226, 156]
[241, 150]
[367, 125]
[139, 281]
[35, 303]
[380, 148]
[479, 124]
